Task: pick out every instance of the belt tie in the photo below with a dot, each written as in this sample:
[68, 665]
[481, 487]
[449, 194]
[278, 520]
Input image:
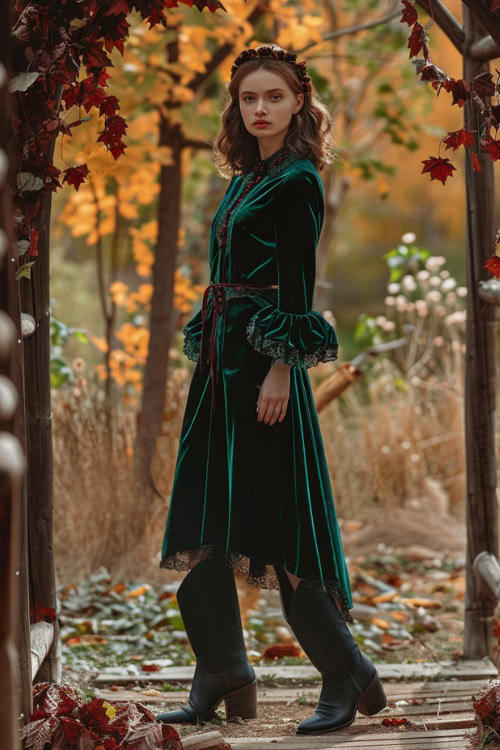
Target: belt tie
[219, 308]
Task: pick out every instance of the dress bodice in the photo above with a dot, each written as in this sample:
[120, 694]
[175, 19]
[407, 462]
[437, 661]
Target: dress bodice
[242, 241]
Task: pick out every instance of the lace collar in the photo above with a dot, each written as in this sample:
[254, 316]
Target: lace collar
[274, 164]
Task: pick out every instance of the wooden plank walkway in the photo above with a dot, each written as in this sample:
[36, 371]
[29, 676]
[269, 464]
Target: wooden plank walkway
[463, 670]
[452, 739]
[440, 710]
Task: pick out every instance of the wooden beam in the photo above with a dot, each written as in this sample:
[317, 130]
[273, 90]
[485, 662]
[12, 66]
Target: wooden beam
[480, 374]
[487, 20]
[488, 568]
[35, 300]
[446, 21]
[42, 636]
[12, 457]
[485, 48]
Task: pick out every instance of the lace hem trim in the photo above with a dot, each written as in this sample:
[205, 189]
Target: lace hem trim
[257, 572]
[287, 353]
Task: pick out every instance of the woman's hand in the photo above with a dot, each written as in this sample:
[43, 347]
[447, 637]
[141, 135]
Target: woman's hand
[274, 394]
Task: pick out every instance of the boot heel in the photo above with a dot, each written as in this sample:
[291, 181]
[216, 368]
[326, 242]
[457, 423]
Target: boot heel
[242, 702]
[373, 699]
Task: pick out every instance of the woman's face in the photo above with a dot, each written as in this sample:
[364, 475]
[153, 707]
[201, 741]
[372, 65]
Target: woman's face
[265, 95]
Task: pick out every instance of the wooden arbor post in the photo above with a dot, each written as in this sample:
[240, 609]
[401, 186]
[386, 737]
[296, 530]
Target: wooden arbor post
[482, 515]
[12, 458]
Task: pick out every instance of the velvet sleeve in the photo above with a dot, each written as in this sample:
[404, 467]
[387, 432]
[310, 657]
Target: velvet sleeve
[291, 330]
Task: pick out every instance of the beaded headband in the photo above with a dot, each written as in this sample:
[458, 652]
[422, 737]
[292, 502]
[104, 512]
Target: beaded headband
[277, 54]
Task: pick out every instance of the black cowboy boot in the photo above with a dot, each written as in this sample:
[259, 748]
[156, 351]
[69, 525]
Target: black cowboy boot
[350, 680]
[208, 602]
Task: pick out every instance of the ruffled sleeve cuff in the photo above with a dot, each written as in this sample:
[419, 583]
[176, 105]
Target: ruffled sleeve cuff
[299, 340]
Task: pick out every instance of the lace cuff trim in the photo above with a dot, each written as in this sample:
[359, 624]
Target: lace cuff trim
[191, 345]
[298, 340]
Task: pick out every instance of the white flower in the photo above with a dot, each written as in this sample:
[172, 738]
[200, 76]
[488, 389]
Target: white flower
[435, 281]
[408, 283]
[380, 320]
[461, 291]
[459, 316]
[408, 237]
[423, 275]
[448, 284]
[389, 301]
[433, 296]
[393, 288]
[434, 262]
[444, 273]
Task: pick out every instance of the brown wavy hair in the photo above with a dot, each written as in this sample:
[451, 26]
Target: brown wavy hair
[309, 132]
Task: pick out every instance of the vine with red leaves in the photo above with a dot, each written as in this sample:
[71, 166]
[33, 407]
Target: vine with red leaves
[480, 90]
[50, 42]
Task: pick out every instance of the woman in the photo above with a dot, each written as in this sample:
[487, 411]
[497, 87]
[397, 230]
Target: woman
[251, 487]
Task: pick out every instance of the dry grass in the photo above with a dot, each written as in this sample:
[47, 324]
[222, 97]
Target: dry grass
[100, 514]
[386, 441]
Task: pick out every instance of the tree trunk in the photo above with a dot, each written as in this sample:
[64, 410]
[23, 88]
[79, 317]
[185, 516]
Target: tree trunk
[161, 323]
[482, 528]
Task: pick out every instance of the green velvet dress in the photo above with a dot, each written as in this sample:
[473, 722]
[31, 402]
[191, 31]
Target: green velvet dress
[253, 494]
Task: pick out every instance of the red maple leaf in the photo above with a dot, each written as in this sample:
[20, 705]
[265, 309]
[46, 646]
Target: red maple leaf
[457, 138]
[108, 105]
[118, 6]
[39, 614]
[493, 148]
[279, 650]
[151, 668]
[460, 90]
[439, 169]
[72, 729]
[394, 722]
[476, 167]
[33, 251]
[408, 14]
[418, 41]
[483, 85]
[493, 266]
[485, 702]
[76, 175]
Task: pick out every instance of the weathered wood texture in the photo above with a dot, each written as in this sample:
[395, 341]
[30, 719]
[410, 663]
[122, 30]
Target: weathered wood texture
[463, 670]
[488, 567]
[42, 636]
[440, 715]
[204, 741]
[451, 739]
[480, 374]
[12, 459]
[35, 300]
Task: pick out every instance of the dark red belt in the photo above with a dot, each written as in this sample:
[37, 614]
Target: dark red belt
[219, 307]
